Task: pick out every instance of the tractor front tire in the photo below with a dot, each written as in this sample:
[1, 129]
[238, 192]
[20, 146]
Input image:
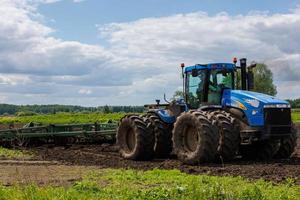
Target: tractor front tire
[229, 131]
[195, 138]
[287, 145]
[135, 139]
[163, 136]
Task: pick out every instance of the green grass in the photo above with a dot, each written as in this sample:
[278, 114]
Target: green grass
[296, 116]
[63, 118]
[155, 184]
[14, 153]
[70, 118]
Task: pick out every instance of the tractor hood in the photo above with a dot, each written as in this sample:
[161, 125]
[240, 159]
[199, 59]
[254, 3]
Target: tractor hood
[252, 104]
[263, 98]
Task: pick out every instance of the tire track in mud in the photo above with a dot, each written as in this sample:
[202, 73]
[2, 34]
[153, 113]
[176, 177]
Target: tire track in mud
[108, 157]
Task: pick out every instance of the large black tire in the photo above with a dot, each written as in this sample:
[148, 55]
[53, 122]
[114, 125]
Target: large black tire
[288, 145]
[195, 138]
[263, 150]
[135, 139]
[229, 131]
[163, 135]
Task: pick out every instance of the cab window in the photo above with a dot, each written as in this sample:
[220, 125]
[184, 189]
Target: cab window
[195, 88]
[219, 80]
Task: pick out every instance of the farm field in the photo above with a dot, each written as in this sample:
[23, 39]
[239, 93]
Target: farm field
[98, 172]
[62, 118]
[74, 118]
[152, 184]
[296, 116]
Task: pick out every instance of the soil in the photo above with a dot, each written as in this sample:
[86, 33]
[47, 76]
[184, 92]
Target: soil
[64, 165]
[41, 173]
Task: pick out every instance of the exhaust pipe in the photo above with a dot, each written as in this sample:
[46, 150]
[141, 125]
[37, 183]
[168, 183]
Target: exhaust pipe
[243, 64]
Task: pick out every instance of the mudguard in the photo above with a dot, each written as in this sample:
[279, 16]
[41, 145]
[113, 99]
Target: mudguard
[164, 116]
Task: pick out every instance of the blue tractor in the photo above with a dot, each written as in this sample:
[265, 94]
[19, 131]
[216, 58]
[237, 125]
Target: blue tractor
[219, 117]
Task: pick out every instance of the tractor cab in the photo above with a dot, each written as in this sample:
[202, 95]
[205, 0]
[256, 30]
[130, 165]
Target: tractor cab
[204, 84]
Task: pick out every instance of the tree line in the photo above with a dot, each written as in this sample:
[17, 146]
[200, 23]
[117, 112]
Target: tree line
[22, 110]
[295, 103]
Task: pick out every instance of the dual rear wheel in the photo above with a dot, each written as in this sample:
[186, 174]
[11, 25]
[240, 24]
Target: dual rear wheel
[144, 137]
[135, 138]
[195, 137]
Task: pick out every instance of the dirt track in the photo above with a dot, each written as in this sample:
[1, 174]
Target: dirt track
[107, 156]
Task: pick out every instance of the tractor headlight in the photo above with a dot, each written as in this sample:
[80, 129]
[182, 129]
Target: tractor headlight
[253, 102]
[277, 106]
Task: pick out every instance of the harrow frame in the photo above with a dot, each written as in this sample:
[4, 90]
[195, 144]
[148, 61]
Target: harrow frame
[90, 132]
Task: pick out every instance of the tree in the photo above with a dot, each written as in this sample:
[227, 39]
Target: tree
[263, 80]
[106, 109]
[177, 94]
[295, 103]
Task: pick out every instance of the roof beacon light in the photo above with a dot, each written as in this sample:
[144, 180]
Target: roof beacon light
[234, 60]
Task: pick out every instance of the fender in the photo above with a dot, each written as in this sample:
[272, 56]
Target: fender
[164, 116]
[238, 114]
[210, 107]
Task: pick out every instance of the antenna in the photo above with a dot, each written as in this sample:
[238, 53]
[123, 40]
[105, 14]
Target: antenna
[182, 74]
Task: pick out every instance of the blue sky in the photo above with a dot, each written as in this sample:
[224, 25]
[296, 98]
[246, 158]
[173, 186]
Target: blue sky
[76, 21]
[93, 52]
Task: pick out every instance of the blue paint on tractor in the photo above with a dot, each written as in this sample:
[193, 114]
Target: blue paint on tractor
[251, 103]
[165, 116]
[211, 66]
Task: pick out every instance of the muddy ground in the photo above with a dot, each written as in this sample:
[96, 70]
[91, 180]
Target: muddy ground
[64, 165]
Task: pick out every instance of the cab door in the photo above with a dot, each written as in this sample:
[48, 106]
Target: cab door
[218, 81]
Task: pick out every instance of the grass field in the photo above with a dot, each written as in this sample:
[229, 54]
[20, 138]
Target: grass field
[154, 184]
[63, 118]
[70, 118]
[296, 116]
[14, 153]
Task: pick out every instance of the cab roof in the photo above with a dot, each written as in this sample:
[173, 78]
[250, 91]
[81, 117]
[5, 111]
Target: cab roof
[229, 66]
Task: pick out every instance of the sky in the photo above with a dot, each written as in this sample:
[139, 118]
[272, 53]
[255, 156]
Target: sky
[97, 52]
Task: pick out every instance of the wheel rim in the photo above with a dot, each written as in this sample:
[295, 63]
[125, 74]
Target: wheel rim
[130, 140]
[190, 139]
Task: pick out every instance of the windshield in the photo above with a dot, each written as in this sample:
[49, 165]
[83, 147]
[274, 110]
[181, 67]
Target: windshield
[220, 78]
[195, 88]
[207, 86]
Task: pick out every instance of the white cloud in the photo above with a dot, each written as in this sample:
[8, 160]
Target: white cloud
[142, 59]
[197, 37]
[13, 80]
[85, 91]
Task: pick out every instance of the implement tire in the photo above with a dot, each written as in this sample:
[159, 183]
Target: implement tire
[288, 145]
[135, 139]
[163, 135]
[263, 150]
[229, 131]
[195, 138]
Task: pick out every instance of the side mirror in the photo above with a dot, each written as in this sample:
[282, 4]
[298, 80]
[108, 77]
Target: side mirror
[194, 72]
[252, 65]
